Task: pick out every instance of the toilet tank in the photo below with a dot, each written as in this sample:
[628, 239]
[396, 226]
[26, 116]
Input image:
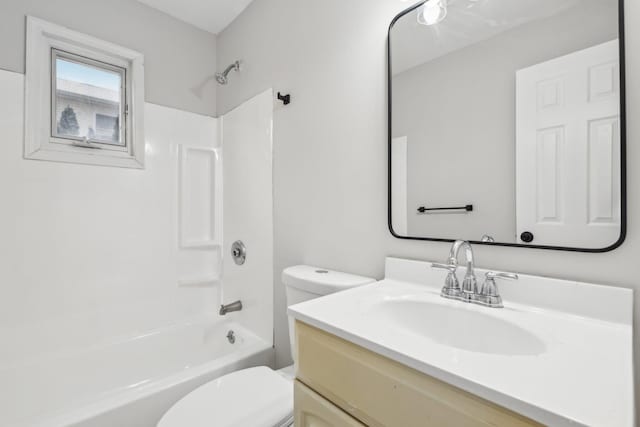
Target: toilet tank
[304, 282]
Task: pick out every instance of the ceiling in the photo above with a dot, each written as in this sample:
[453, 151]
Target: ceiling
[468, 22]
[210, 15]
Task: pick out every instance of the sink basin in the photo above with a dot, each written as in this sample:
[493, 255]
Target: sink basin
[460, 326]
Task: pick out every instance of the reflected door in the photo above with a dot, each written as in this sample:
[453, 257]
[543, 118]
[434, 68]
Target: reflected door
[568, 150]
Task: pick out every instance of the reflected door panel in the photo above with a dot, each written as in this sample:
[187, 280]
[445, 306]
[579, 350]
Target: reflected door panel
[567, 149]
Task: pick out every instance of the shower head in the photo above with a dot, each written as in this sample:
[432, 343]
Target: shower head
[222, 77]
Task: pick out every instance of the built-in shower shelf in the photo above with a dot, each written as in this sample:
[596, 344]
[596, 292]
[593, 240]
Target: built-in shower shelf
[200, 282]
[200, 197]
[203, 245]
[199, 215]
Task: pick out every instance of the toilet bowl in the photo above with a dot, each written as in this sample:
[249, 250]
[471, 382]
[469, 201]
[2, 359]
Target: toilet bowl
[258, 397]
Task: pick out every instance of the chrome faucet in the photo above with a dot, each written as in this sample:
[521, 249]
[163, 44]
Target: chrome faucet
[230, 308]
[452, 289]
[487, 295]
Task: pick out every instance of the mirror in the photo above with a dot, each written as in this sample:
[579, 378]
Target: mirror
[507, 123]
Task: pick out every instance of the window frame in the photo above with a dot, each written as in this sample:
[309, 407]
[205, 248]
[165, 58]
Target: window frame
[79, 141]
[45, 43]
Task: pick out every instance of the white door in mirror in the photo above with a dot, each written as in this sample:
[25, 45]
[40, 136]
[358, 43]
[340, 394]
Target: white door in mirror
[568, 150]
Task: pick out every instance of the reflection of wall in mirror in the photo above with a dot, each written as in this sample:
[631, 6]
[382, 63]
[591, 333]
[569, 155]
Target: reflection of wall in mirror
[399, 206]
[458, 113]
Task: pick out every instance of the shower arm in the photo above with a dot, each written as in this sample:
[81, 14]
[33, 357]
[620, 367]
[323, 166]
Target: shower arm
[235, 66]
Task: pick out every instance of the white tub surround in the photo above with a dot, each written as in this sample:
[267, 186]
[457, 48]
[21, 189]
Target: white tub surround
[103, 267]
[92, 253]
[248, 212]
[560, 352]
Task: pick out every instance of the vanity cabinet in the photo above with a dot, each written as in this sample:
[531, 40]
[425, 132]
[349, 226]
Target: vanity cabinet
[336, 378]
[312, 410]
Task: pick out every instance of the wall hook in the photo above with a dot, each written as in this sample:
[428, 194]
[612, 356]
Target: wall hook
[286, 99]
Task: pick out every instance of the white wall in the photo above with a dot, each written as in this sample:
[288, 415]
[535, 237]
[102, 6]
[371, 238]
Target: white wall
[91, 253]
[180, 60]
[248, 212]
[330, 144]
[459, 109]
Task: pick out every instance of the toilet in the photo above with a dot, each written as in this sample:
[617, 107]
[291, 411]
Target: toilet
[258, 397]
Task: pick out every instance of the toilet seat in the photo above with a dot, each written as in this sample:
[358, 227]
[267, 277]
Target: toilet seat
[255, 397]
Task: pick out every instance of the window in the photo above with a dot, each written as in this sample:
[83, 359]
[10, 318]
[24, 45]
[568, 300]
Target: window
[84, 99]
[88, 101]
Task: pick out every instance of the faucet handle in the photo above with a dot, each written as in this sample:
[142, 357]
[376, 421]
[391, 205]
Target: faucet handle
[493, 275]
[489, 294]
[451, 287]
[451, 267]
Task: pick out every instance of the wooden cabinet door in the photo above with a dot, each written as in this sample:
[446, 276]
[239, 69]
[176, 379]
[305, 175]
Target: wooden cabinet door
[312, 410]
[383, 393]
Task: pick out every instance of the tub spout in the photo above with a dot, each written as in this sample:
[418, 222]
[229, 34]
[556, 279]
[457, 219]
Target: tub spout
[230, 308]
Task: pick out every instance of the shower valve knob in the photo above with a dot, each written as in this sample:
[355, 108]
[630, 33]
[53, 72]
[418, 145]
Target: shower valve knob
[239, 252]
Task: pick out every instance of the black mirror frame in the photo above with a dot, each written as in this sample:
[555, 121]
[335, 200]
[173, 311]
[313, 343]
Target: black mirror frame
[623, 148]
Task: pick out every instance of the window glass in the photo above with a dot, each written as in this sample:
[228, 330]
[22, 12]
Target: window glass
[107, 127]
[88, 101]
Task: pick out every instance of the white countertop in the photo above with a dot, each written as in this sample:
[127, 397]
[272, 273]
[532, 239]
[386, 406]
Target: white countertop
[580, 373]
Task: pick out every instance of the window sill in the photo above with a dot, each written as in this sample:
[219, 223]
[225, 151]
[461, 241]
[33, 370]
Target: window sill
[87, 156]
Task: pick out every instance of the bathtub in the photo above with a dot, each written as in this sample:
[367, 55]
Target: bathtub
[126, 382]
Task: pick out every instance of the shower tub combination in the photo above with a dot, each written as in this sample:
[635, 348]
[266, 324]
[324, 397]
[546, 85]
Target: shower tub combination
[128, 382]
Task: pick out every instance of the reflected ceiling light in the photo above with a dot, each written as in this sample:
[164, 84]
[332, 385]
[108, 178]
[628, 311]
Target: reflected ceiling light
[432, 12]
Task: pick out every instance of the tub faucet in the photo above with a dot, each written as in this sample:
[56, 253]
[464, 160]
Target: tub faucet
[452, 289]
[230, 308]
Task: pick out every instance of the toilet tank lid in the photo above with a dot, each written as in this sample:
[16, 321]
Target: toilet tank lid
[321, 281]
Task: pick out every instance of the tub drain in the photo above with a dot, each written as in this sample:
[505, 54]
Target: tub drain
[231, 336]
